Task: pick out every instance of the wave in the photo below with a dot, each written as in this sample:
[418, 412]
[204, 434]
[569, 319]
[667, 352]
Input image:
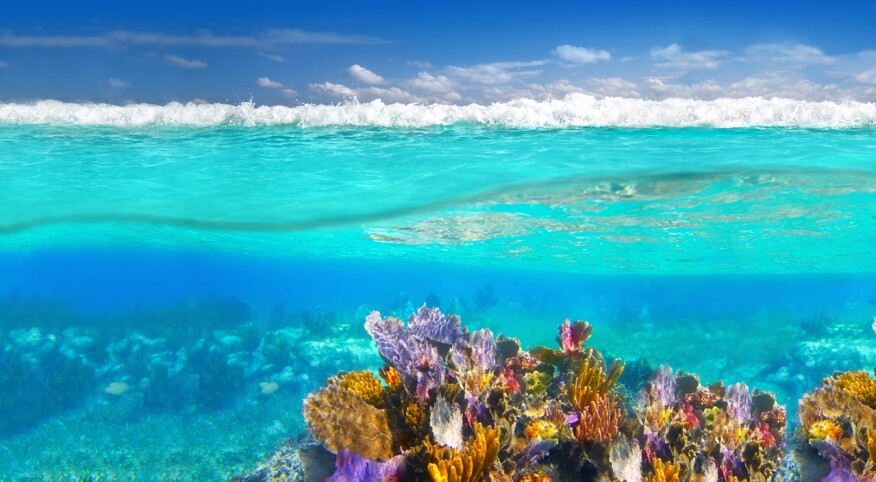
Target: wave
[573, 110]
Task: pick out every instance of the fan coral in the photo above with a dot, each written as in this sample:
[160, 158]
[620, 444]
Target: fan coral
[340, 419]
[431, 324]
[466, 465]
[573, 335]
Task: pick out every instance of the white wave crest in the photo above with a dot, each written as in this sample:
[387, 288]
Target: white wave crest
[573, 110]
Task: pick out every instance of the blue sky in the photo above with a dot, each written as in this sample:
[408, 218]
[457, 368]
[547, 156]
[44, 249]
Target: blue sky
[296, 52]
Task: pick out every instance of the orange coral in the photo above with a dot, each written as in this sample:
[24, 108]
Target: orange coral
[871, 444]
[340, 419]
[468, 464]
[600, 421]
[391, 376]
[665, 472]
[364, 384]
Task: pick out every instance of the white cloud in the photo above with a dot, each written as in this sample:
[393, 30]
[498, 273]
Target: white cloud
[185, 63]
[273, 84]
[361, 74]
[673, 57]
[272, 57]
[497, 72]
[581, 55]
[117, 83]
[614, 87]
[330, 88]
[798, 54]
[269, 38]
[660, 89]
[420, 64]
[431, 83]
[390, 95]
[867, 76]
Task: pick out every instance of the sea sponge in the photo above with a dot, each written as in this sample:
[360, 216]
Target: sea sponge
[600, 421]
[340, 419]
[468, 464]
[364, 384]
[664, 472]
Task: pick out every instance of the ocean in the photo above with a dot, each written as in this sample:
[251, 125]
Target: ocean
[174, 280]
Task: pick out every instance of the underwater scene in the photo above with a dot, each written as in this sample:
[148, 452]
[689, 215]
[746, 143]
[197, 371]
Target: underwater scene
[366, 292]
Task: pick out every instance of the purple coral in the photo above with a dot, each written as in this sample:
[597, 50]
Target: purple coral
[483, 345]
[431, 324]
[414, 358]
[351, 467]
[739, 402]
[573, 335]
[663, 386]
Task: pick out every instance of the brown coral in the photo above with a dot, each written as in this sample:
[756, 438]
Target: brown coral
[468, 464]
[340, 419]
[664, 472]
[600, 421]
[590, 380]
[364, 384]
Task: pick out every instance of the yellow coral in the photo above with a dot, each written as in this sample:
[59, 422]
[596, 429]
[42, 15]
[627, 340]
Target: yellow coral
[540, 428]
[414, 415]
[664, 472]
[364, 384]
[600, 421]
[340, 419]
[860, 384]
[825, 429]
[590, 380]
[537, 383]
[468, 464]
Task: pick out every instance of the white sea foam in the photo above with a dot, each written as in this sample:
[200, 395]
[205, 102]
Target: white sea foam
[573, 110]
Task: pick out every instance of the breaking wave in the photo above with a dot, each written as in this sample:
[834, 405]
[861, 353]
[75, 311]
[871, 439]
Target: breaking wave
[575, 110]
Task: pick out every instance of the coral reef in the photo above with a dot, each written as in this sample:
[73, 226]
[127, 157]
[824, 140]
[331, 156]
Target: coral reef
[460, 406]
[838, 423]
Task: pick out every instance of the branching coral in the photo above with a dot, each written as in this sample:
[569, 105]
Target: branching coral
[468, 464]
[590, 381]
[664, 472]
[599, 421]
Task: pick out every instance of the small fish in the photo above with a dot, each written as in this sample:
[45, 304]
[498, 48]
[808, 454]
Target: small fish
[268, 388]
[116, 388]
[874, 324]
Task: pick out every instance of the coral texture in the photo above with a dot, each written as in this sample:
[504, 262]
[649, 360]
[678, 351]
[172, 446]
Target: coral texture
[340, 419]
[463, 406]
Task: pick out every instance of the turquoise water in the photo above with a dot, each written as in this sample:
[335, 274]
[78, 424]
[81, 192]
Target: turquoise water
[192, 263]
